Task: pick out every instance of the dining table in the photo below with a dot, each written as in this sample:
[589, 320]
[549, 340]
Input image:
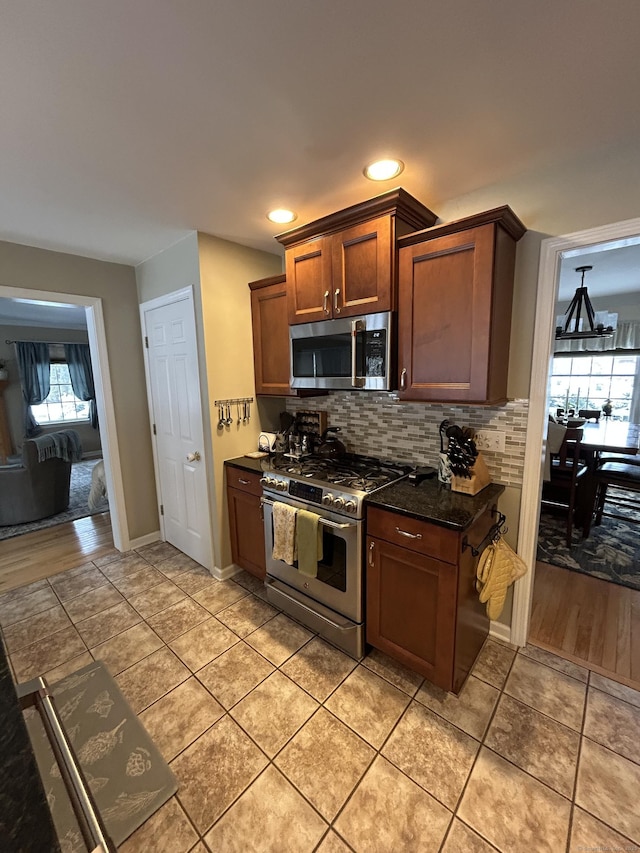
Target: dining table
[607, 436]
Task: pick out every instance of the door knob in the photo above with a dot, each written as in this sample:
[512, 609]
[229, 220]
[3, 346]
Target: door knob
[193, 457]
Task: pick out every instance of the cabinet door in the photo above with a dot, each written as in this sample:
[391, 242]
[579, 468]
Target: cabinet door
[247, 532]
[271, 339]
[411, 602]
[308, 268]
[362, 268]
[445, 317]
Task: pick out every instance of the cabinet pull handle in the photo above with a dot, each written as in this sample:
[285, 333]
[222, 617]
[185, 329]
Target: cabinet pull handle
[335, 300]
[325, 306]
[371, 547]
[408, 535]
[244, 482]
[403, 379]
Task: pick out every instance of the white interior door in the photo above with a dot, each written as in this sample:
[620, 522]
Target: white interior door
[172, 361]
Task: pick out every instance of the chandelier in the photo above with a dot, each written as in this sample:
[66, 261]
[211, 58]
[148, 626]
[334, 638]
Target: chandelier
[574, 328]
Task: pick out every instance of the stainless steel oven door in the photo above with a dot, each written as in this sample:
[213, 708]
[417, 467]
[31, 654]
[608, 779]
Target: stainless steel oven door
[339, 581]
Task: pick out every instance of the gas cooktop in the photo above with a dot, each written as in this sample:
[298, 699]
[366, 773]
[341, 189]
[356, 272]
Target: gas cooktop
[338, 484]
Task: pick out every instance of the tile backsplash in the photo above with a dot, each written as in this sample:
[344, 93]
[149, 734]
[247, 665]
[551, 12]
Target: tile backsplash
[379, 424]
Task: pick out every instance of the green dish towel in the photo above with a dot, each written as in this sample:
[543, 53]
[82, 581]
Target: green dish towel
[309, 542]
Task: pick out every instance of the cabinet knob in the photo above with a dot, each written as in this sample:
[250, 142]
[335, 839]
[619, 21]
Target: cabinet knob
[403, 379]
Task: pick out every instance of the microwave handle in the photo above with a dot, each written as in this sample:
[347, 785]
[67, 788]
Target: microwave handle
[356, 327]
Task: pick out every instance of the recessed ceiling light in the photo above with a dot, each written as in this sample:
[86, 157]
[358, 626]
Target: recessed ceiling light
[281, 216]
[383, 170]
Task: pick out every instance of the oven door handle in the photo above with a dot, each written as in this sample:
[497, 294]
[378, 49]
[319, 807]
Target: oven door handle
[321, 520]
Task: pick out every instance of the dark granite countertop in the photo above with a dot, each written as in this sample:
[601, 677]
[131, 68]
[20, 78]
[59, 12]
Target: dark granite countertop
[257, 466]
[25, 819]
[433, 502]
[430, 501]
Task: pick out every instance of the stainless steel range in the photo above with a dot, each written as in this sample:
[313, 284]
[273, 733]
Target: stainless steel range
[335, 489]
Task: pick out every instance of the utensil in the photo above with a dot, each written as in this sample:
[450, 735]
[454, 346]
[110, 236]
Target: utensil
[220, 416]
[229, 419]
[244, 411]
[248, 410]
[443, 426]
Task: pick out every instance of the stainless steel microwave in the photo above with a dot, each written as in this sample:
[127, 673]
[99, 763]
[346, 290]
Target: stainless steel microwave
[341, 354]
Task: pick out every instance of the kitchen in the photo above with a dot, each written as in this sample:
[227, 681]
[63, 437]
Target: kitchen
[582, 191]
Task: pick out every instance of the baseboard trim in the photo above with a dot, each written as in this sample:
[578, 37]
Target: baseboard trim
[226, 573]
[500, 631]
[145, 540]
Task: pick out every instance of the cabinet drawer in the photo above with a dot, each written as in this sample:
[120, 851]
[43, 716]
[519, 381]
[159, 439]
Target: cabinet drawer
[420, 536]
[246, 481]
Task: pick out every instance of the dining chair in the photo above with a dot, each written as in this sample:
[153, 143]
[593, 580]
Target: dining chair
[566, 473]
[623, 476]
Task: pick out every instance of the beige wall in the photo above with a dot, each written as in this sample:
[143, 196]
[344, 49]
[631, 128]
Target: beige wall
[114, 284]
[225, 270]
[14, 405]
[219, 272]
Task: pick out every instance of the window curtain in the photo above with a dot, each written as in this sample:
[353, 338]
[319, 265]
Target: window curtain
[35, 365]
[78, 358]
[634, 409]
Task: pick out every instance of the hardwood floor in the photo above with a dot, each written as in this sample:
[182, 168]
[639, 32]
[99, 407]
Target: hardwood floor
[37, 555]
[588, 621]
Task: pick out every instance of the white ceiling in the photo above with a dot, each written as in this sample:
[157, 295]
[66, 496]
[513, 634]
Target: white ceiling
[126, 124]
[27, 312]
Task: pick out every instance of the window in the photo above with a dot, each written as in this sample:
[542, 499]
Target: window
[61, 403]
[588, 381]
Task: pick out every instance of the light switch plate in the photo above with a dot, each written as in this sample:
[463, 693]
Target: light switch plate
[492, 440]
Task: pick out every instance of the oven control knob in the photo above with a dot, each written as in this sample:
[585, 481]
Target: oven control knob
[268, 481]
[350, 506]
[338, 503]
[327, 499]
[281, 486]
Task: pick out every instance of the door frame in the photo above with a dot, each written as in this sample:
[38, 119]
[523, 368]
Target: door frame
[552, 251]
[104, 398]
[159, 302]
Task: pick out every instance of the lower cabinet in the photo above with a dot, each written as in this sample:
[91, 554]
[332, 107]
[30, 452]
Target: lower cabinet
[245, 520]
[422, 606]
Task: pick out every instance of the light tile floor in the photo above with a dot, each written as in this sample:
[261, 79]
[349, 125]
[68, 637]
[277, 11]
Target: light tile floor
[282, 743]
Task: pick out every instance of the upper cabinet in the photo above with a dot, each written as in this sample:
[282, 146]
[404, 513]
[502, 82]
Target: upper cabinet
[270, 335]
[454, 309]
[346, 264]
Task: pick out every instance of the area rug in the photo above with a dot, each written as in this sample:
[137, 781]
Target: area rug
[78, 503]
[611, 551]
[127, 775]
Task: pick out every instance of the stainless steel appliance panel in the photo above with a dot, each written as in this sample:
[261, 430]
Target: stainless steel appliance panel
[343, 353]
[339, 582]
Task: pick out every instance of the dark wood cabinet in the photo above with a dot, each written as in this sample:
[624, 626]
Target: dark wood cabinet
[245, 520]
[346, 264]
[454, 309]
[422, 606]
[270, 336]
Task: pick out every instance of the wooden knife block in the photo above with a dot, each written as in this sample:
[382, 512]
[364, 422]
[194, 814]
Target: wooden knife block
[480, 478]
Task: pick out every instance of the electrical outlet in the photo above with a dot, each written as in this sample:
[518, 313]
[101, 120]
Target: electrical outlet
[490, 439]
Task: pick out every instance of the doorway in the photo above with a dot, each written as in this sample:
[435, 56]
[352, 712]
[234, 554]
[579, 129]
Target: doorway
[104, 399]
[553, 251]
